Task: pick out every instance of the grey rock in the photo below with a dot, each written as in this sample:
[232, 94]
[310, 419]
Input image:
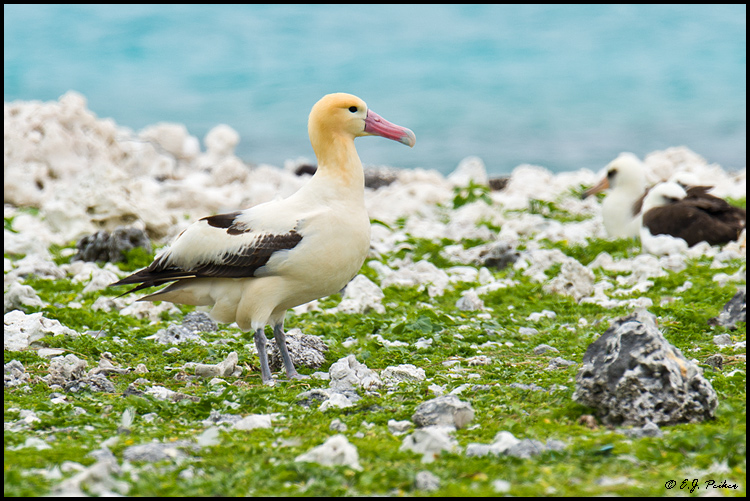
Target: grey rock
[499, 183]
[313, 397]
[336, 450]
[574, 280]
[14, 374]
[157, 451]
[716, 361]
[103, 246]
[176, 334]
[304, 350]
[198, 321]
[526, 448]
[559, 362]
[348, 374]
[470, 301]
[522, 386]
[478, 450]
[544, 348]
[17, 296]
[426, 481]
[216, 418]
[500, 255]
[734, 311]
[94, 382]
[445, 410]
[338, 426]
[722, 340]
[650, 429]
[632, 375]
[378, 177]
[65, 369]
[399, 427]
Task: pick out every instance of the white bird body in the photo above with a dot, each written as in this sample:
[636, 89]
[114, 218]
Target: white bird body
[335, 239]
[619, 220]
[253, 265]
[626, 180]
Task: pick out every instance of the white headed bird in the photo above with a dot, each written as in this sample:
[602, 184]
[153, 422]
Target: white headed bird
[626, 181]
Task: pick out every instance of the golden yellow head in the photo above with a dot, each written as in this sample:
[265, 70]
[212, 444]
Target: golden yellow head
[345, 114]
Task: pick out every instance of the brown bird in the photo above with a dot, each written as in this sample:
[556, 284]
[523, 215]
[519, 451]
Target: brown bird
[692, 215]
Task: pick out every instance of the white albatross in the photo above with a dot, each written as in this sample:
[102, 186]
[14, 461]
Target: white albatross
[621, 209]
[251, 266]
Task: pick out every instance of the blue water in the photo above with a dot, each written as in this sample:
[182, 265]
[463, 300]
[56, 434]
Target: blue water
[564, 87]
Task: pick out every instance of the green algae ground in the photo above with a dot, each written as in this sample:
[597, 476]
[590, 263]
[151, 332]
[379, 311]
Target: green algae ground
[260, 462]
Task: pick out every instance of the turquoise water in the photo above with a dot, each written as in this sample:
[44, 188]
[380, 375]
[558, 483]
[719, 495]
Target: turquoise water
[564, 87]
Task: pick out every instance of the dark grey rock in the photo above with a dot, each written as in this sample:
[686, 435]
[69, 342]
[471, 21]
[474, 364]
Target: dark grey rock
[15, 374]
[444, 410]
[304, 350]
[500, 255]
[632, 375]
[498, 183]
[315, 396]
[716, 361]
[734, 311]
[95, 382]
[132, 390]
[69, 373]
[377, 177]
[305, 169]
[105, 246]
[199, 321]
[176, 334]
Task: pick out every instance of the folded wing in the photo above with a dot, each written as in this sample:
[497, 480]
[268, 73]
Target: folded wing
[223, 246]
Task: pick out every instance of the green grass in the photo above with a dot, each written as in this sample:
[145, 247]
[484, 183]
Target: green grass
[261, 462]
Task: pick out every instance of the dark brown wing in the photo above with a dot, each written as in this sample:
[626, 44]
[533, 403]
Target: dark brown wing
[718, 208]
[238, 253]
[689, 220]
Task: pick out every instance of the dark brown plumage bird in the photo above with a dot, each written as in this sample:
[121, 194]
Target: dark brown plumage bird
[692, 214]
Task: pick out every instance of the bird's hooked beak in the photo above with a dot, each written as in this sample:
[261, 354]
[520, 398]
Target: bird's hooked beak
[378, 126]
[603, 185]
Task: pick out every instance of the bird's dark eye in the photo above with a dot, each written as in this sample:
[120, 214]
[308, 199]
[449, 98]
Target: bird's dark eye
[353, 109]
[611, 173]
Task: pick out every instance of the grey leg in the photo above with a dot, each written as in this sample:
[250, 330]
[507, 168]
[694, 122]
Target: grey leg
[260, 345]
[278, 333]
